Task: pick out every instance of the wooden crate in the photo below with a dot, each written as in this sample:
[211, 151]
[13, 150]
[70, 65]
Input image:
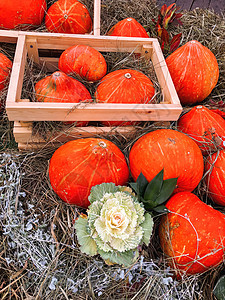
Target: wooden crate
[30, 44]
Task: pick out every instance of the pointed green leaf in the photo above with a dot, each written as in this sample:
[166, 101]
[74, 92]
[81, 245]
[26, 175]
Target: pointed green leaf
[87, 244]
[153, 188]
[167, 189]
[142, 183]
[219, 289]
[147, 227]
[161, 209]
[134, 186]
[126, 258]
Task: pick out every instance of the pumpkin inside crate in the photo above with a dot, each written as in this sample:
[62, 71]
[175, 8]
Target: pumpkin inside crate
[37, 56]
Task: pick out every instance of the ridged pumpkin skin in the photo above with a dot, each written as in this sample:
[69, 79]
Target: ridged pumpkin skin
[84, 61]
[68, 16]
[174, 151]
[5, 69]
[192, 234]
[128, 27]
[215, 179]
[194, 71]
[80, 164]
[206, 127]
[60, 87]
[125, 86]
[21, 14]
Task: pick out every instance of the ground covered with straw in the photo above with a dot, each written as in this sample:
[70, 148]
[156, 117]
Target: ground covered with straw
[39, 253]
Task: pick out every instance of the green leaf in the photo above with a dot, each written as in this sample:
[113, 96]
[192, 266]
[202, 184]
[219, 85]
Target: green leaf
[134, 186]
[161, 209]
[126, 258]
[87, 244]
[147, 227]
[167, 189]
[154, 187]
[98, 191]
[219, 289]
[142, 183]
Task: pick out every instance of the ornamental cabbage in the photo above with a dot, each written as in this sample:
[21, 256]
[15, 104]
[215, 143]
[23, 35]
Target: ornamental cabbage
[115, 225]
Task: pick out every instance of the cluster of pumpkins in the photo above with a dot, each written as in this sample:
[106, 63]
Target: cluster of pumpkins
[192, 234]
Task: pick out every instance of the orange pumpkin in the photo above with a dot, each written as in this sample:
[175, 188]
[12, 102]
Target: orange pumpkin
[83, 61]
[194, 71]
[60, 87]
[192, 234]
[80, 164]
[174, 151]
[68, 16]
[128, 27]
[5, 69]
[215, 178]
[206, 127]
[125, 86]
[21, 14]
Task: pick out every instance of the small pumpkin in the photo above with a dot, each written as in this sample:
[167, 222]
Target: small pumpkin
[206, 127]
[21, 14]
[84, 61]
[215, 177]
[60, 87]
[80, 164]
[5, 70]
[192, 234]
[194, 71]
[171, 150]
[128, 27]
[68, 16]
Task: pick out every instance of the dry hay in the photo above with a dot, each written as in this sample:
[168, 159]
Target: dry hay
[39, 255]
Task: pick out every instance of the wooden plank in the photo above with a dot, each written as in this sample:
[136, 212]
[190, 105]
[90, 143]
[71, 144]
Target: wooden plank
[101, 43]
[17, 74]
[8, 36]
[32, 50]
[163, 75]
[92, 112]
[96, 21]
[28, 141]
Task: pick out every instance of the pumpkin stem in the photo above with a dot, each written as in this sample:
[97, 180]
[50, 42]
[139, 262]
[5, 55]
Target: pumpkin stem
[128, 75]
[102, 144]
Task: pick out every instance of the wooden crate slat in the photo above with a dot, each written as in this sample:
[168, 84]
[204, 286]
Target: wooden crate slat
[92, 112]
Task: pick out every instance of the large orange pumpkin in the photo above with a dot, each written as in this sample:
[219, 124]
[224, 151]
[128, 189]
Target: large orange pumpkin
[215, 178]
[21, 14]
[68, 16]
[60, 87]
[84, 61]
[80, 164]
[174, 151]
[128, 27]
[5, 69]
[206, 127]
[124, 86]
[194, 71]
[192, 234]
